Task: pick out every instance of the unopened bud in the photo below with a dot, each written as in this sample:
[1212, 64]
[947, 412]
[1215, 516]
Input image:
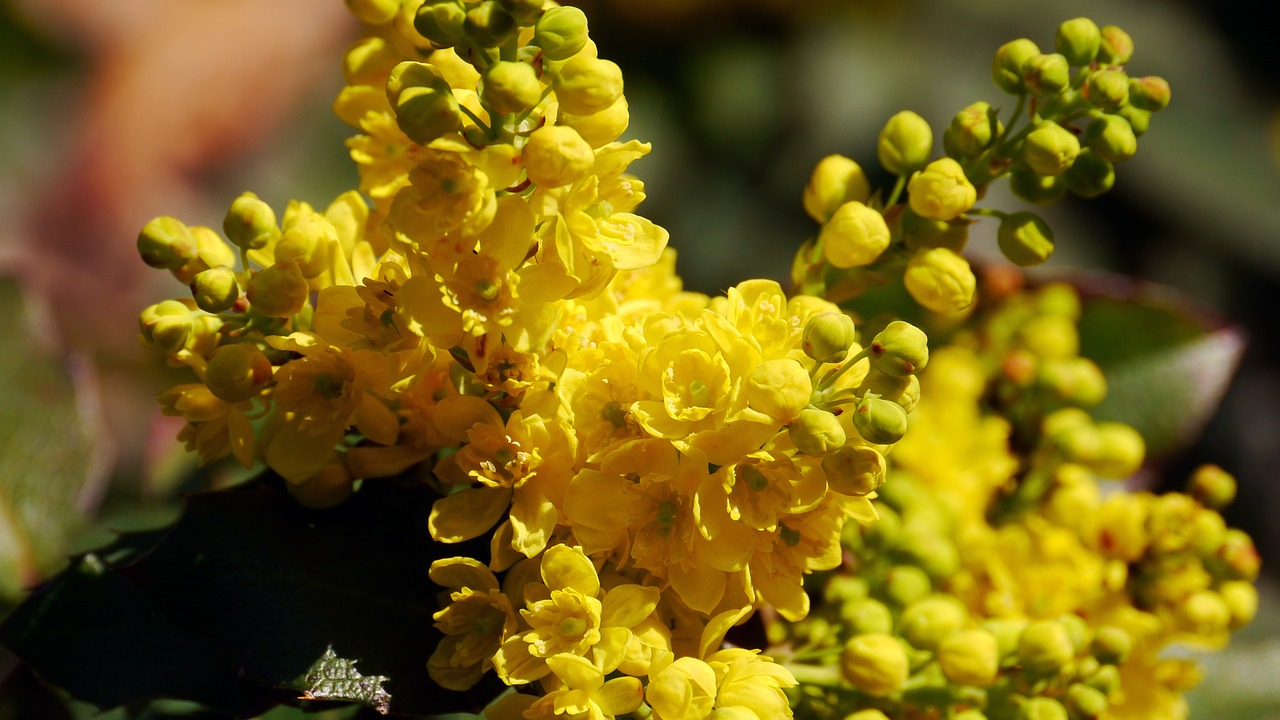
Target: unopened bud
[1214, 487]
[1111, 645]
[1204, 613]
[1139, 119]
[1120, 451]
[1111, 137]
[900, 349]
[599, 129]
[1045, 648]
[441, 22]
[880, 421]
[489, 25]
[970, 657]
[215, 290]
[865, 615]
[835, 181]
[1241, 599]
[1042, 708]
[828, 337]
[875, 664]
[941, 191]
[1237, 559]
[940, 280]
[905, 143]
[424, 103]
[525, 12]
[816, 432]
[1108, 89]
[278, 291]
[1149, 93]
[511, 87]
[778, 388]
[854, 236]
[561, 32]
[1078, 380]
[928, 621]
[1025, 238]
[166, 326]
[1078, 40]
[971, 131]
[1106, 680]
[1046, 74]
[1089, 176]
[1050, 149]
[1116, 47]
[556, 155]
[1036, 188]
[588, 85]
[854, 470]
[1006, 67]
[906, 584]
[1085, 703]
[166, 243]
[374, 12]
[921, 233]
[250, 223]
[237, 372]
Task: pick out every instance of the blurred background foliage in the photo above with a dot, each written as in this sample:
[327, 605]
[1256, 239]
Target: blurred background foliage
[112, 113]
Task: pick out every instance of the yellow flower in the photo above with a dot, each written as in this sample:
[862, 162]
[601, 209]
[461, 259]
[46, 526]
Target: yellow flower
[446, 193]
[584, 694]
[215, 428]
[475, 622]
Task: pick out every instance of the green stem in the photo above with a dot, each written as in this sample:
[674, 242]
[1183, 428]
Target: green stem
[898, 186]
[830, 380]
[474, 118]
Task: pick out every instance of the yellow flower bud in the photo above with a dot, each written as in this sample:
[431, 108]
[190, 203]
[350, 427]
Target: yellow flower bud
[1084, 702]
[278, 291]
[374, 12]
[1076, 380]
[1111, 138]
[778, 388]
[587, 85]
[880, 421]
[835, 181]
[237, 372]
[941, 191]
[816, 432]
[1116, 47]
[866, 616]
[1045, 648]
[1025, 239]
[557, 155]
[854, 236]
[424, 103]
[828, 337]
[525, 12]
[971, 131]
[1120, 450]
[900, 349]
[215, 290]
[925, 623]
[599, 129]
[1241, 599]
[306, 240]
[1006, 66]
[441, 22]
[165, 243]
[867, 715]
[1042, 708]
[1046, 74]
[1106, 680]
[970, 657]
[326, 489]
[488, 24]
[1108, 89]
[1078, 40]
[250, 223]
[1204, 613]
[1138, 118]
[561, 32]
[854, 470]
[940, 280]
[875, 664]
[1111, 645]
[1050, 149]
[1149, 93]
[166, 326]
[905, 143]
[1214, 487]
[510, 87]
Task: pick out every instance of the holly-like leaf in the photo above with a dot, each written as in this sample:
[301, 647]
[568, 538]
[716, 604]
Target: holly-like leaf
[253, 599]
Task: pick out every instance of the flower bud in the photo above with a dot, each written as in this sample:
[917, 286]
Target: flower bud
[489, 25]
[941, 191]
[1120, 450]
[1006, 67]
[215, 290]
[865, 615]
[237, 372]
[816, 432]
[373, 12]
[854, 470]
[875, 663]
[1025, 238]
[921, 233]
[828, 337]
[1107, 89]
[841, 589]
[250, 223]
[556, 156]
[599, 129]
[1042, 708]
[1045, 648]
[1089, 176]
[1149, 93]
[1241, 599]
[561, 32]
[1214, 487]
[424, 103]
[1111, 645]
[836, 180]
[905, 143]
[925, 623]
[1106, 680]
[588, 85]
[1078, 40]
[1050, 149]
[867, 715]
[971, 131]
[1116, 47]
[441, 22]
[1035, 188]
[904, 390]
[278, 291]
[1046, 74]
[1111, 137]
[525, 12]
[970, 657]
[900, 349]
[166, 326]
[510, 87]
[1237, 559]
[306, 240]
[904, 584]
[940, 280]
[879, 421]
[1204, 613]
[937, 555]
[1085, 703]
[166, 243]
[778, 388]
[854, 236]
[326, 489]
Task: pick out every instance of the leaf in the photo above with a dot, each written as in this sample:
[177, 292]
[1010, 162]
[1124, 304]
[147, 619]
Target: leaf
[1167, 362]
[246, 599]
[52, 454]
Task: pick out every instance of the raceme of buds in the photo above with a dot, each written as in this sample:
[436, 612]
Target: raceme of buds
[905, 143]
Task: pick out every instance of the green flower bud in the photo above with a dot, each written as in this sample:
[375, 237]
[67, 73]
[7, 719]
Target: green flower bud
[970, 657]
[1212, 486]
[1204, 613]
[1006, 67]
[1116, 47]
[779, 388]
[866, 616]
[1025, 238]
[1111, 645]
[373, 12]
[556, 155]
[1078, 630]
[1050, 149]
[1007, 632]
[879, 421]
[525, 12]
[971, 131]
[1035, 188]
[1111, 137]
[278, 291]
[441, 22]
[1089, 176]
[215, 290]
[905, 143]
[937, 555]
[1149, 93]
[854, 470]
[489, 25]
[941, 191]
[920, 233]
[1077, 381]
[1042, 708]
[166, 243]
[904, 584]
[511, 87]
[166, 326]
[237, 372]
[854, 236]
[424, 103]
[1045, 648]
[842, 589]
[816, 432]
[875, 663]
[561, 32]
[900, 349]
[1085, 703]
[250, 223]
[1120, 451]
[1046, 74]
[1106, 680]
[867, 715]
[1107, 89]
[836, 180]
[588, 85]
[1078, 40]
[828, 337]
[904, 390]
[925, 623]
[1207, 532]
[1241, 599]
[940, 280]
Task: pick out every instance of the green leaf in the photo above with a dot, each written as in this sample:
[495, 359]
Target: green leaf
[251, 598]
[1167, 362]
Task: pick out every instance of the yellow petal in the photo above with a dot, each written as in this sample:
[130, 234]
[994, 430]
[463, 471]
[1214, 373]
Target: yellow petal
[462, 572]
[620, 696]
[241, 432]
[627, 605]
[375, 420]
[455, 415]
[533, 519]
[297, 455]
[515, 665]
[371, 461]
[567, 567]
[717, 627]
[467, 513]
[700, 588]
[576, 672]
